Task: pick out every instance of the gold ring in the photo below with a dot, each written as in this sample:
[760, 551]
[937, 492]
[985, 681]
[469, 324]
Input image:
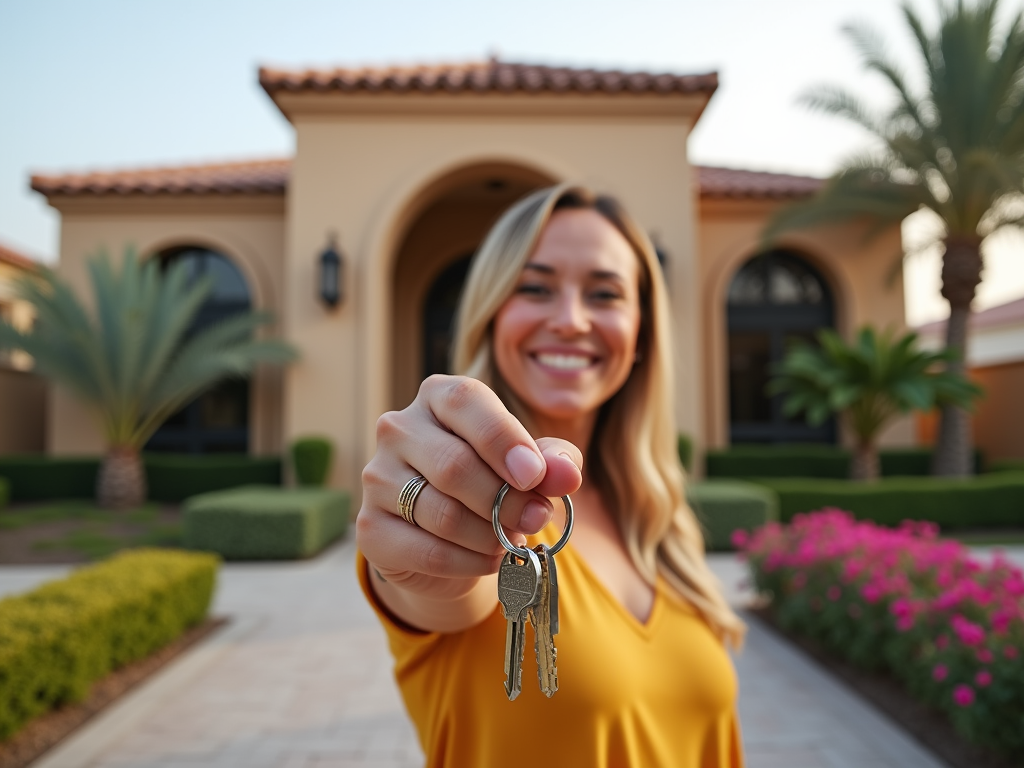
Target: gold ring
[407, 498]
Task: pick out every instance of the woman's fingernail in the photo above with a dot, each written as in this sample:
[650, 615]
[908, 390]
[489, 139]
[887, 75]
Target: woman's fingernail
[535, 516]
[524, 465]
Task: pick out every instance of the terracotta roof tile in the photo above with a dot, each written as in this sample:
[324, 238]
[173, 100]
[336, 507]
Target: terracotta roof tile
[483, 77]
[254, 177]
[271, 177]
[735, 183]
[15, 259]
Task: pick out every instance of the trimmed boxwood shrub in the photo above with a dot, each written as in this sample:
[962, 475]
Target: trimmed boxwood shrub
[1007, 465]
[264, 522]
[684, 445]
[725, 506]
[175, 477]
[825, 461]
[311, 457]
[993, 500]
[35, 478]
[58, 639]
[170, 477]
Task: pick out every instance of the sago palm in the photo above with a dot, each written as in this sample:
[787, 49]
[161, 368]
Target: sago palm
[867, 383]
[955, 147]
[132, 359]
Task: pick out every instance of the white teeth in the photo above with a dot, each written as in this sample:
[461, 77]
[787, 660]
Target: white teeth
[564, 362]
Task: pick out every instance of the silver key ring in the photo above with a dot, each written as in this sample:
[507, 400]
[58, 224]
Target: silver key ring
[521, 551]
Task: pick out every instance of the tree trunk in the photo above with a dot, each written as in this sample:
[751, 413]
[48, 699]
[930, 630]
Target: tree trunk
[961, 274]
[865, 464]
[121, 483]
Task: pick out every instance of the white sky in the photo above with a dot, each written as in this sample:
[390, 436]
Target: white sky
[115, 83]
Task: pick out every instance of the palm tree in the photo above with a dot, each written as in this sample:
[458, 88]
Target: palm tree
[133, 360]
[956, 148]
[868, 383]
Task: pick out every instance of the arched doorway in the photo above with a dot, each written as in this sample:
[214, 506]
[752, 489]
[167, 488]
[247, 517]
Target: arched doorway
[774, 299]
[218, 420]
[432, 263]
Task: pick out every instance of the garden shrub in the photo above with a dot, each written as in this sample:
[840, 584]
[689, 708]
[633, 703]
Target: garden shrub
[58, 639]
[34, 478]
[992, 500]
[265, 522]
[947, 626]
[684, 444]
[175, 477]
[810, 460]
[1006, 465]
[311, 458]
[725, 506]
[5, 492]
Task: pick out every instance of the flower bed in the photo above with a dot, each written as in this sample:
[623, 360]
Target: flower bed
[903, 600]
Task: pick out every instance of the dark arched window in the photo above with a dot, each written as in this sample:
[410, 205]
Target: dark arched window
[218, 420]
[439, 316]
[775, 299]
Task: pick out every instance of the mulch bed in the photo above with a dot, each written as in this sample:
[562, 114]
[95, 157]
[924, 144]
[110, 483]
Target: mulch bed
[46, 731]
[925, 725]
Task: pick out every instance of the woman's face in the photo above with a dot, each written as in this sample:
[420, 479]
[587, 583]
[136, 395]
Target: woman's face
[565, 341]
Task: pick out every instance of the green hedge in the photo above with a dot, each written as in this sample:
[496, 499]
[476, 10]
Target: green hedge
[58, 639]
[1006, 465]
[5, 492]
[176, 477]
[311, 457]
[684, 444]
[170, 477]
[265, 522]
[724, 506]
[824, 461]
[993, 500]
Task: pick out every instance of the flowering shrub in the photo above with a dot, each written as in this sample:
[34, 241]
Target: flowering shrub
[903, 600]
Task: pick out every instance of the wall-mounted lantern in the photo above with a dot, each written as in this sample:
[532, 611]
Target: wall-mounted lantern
[331, 287]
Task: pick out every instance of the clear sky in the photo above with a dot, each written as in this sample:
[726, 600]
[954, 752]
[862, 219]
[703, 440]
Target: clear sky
[118, 83]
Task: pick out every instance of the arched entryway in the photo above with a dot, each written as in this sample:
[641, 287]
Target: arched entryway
[774, 299]
[218, 420]
[433, 261]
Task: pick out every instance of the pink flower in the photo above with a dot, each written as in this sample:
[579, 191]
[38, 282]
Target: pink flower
[968, 632]
[871, 592]
[939, 672]
[984, 655]
[963, 695]
[983, 678]
[740, 538]
[905, 623]
[1010, 652]
[834, 593]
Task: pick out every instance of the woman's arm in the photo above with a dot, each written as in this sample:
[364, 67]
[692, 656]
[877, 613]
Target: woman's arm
[438, 575]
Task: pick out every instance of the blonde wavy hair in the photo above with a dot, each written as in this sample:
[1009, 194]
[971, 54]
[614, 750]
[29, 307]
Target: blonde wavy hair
[644, 486]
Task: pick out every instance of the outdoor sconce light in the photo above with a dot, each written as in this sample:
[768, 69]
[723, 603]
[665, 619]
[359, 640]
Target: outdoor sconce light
[330, 274]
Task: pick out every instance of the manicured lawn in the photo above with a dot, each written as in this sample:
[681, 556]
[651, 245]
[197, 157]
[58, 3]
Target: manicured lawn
[75, 531]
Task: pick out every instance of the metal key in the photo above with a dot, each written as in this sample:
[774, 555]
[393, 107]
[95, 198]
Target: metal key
[543, 615]
[519, 582]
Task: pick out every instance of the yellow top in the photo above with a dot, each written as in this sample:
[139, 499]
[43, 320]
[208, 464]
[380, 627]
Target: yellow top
[658, 694]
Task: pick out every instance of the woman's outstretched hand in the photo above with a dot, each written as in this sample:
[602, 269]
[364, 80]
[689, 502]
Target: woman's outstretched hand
[460, 437]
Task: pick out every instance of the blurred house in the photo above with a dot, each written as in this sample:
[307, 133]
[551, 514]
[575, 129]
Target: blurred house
[401, 171]
[995, 357]
[22, 393]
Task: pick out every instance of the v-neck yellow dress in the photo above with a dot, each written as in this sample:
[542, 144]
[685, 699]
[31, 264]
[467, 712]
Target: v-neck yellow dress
[659, 694]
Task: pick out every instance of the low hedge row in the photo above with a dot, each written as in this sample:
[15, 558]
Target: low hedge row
[986, 501]
[1007, 465]
[726, 506]
[170, 477]
[60, 638]
[825, 461]
[265, 522]
[5, 492]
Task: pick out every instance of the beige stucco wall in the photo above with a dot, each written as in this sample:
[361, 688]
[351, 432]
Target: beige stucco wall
[860, 274]
[368, 175]
[22, 411]
[249, 231]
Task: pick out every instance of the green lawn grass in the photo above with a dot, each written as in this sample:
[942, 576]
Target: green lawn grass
[90, 531]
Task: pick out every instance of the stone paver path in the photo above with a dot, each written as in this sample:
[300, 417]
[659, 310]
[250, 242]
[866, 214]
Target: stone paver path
[301, 679]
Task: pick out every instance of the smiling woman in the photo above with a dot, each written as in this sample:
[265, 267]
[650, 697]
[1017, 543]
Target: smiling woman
[564, 353]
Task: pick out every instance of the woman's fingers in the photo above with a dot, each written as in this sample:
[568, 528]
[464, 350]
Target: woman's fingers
[471, 410]
[564, 461]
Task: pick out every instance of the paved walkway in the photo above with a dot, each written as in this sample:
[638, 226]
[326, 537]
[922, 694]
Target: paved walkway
[301, 679]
